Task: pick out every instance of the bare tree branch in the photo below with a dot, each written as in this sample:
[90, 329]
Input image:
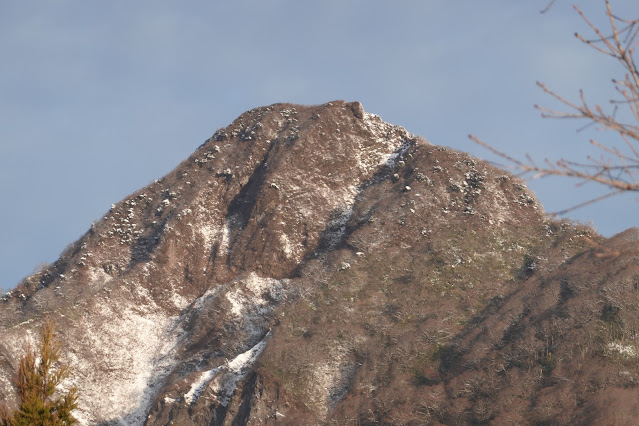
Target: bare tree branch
[618, 165]
[548, 7]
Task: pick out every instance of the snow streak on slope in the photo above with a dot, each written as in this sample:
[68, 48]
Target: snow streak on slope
[135, 352]
[226, 376]
[200, 384]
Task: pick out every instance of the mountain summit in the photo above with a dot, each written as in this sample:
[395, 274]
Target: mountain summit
[316, 265]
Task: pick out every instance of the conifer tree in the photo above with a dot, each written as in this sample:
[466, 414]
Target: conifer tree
[37, 380]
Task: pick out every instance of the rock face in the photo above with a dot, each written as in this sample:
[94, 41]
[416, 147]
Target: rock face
[316, 265]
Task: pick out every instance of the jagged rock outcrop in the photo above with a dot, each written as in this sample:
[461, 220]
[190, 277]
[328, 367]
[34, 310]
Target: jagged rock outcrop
[316, 265]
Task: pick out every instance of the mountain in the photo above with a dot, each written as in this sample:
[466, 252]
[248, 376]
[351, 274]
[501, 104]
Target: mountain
[316, 265]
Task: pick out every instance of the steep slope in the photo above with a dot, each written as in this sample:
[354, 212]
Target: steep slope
[311, 265]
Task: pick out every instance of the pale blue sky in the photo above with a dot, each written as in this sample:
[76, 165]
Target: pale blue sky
[97, 99]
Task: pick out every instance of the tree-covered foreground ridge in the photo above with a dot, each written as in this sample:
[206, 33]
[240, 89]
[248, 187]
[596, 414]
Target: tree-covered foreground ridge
[38, 382]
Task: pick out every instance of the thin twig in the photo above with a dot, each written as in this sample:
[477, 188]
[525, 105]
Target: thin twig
[586, 203]
[548, 7]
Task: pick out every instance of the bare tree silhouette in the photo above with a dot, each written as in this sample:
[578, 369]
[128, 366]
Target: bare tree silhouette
[617, 166]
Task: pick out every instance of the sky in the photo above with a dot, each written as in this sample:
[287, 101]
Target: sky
[98, 99]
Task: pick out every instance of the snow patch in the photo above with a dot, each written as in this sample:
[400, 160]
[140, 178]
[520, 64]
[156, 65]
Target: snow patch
[331, 378]
[226, 236]
[208, 233]
[199, 385]
[291, 250]
[229, 375]
[390, 143]
[98, 276]
[235, 370]
[336, 228]
[5, 384]
[628, 351]
[121, 382]
[249, 297]
[199, 303]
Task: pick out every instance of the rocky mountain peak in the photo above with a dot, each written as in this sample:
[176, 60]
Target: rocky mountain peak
[314, 264]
